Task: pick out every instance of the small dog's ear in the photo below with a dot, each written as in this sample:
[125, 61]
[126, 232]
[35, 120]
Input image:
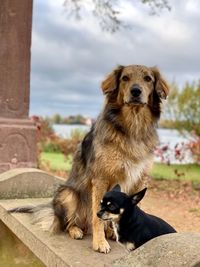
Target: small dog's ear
[117, 188]
[161, 86]
[112, 80]
[136, 198]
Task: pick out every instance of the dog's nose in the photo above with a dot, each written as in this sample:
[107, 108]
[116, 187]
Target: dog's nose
[99, 214]
[136, 91]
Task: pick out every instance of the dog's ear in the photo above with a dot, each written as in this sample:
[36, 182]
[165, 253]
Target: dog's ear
[112, 80]
[161, 86]
[136, 198]
[117, 188]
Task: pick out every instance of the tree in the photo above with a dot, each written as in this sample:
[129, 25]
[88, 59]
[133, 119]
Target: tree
[57, 119]
[189, 103]
[105, 11]
[183, 107]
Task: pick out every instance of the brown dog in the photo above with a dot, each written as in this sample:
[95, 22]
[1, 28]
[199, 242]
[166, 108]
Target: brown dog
[117, 150]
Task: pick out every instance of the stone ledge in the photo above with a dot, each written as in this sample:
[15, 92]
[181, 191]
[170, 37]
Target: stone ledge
[172, 250]
[58, 250]
[27, 183]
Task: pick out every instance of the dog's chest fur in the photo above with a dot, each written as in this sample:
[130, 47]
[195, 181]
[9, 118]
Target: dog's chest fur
[125, 158]
[121, 168]
[134, 172]
[128, 245]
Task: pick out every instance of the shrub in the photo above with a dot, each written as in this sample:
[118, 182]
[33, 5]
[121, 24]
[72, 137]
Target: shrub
[68, 146]
[181, 151]
[44, 128]
[48, 141]
[194, 147]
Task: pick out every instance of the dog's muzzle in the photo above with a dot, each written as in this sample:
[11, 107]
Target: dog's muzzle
[103, 215]
[135, 95]
[100, 214]
[136, 91]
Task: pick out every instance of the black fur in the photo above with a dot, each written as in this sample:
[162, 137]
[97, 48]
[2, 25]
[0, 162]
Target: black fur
[134, 225]
[30, 209]
[59, 210]
[155, 105]
[60, 213]
[25, 209]
[87, 148]
[111, 115]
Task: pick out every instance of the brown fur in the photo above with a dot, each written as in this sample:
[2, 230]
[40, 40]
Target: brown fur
[117, 150]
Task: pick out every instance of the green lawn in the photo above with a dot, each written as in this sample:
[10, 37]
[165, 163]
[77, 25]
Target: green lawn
[57, 161]
[176, 171]
[160, 171]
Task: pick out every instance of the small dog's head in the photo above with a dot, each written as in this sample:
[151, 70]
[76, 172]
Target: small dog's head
[115, 202]
[134, 85]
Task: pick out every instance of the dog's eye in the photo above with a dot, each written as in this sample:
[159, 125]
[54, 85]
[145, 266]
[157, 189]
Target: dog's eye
[147, 78]
[125, 78]
[112, 207]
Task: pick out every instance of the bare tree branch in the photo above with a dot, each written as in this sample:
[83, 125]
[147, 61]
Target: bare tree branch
[106, 13]
[157, 6]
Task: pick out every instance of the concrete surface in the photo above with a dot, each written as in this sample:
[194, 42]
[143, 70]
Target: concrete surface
[27, 183]
[58, 250]
[173, 250]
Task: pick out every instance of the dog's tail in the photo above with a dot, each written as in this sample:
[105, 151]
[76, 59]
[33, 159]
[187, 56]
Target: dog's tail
[42, 215]
[25, 209]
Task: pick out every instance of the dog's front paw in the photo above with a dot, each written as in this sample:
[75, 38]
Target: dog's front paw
[130, 246]
[101, 246]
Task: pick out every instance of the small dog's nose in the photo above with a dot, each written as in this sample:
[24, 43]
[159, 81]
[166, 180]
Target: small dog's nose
[99, 214]
[135, 91]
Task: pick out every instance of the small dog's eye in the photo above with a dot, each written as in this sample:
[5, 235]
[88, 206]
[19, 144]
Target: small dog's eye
[125, 78]
[112, 207]
[147, 78]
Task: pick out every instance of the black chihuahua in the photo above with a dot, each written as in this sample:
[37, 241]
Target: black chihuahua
[132, 226]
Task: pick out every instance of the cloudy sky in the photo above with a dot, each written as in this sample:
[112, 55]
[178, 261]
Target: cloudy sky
[70, 57]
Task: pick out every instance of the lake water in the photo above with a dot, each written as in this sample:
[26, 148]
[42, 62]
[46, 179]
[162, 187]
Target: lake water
[65, 130]
[167, 137]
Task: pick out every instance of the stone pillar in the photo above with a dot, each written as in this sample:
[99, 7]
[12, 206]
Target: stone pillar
[17, 131]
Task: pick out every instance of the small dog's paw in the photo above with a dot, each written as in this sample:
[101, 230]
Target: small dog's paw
[75, 232]
[102, 246]
[130, 246]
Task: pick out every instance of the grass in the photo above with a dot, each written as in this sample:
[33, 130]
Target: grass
[190, 172]
[160, 171]
[56, 161]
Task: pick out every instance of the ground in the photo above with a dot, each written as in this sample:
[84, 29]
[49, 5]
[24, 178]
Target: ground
[176, 202]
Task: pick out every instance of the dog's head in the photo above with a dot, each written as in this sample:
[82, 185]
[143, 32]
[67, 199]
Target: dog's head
[134, 85]
[115, 202]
